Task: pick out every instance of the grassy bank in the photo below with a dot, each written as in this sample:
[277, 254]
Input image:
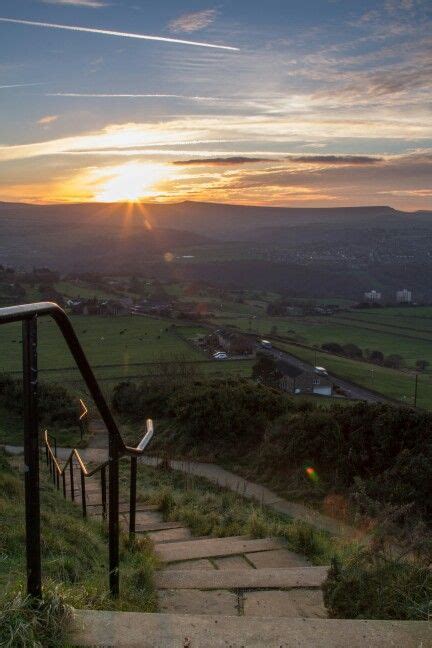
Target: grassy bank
[208, 509]
[74, 562]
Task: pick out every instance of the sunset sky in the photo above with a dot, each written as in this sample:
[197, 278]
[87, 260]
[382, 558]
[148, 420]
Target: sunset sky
[318, 103]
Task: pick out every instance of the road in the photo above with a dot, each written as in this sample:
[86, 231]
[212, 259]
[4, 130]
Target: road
[351, 390]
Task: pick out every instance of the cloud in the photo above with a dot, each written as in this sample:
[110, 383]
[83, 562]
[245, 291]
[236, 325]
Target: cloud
[91, 4]
[19, 85]
[93, 95]
[336, 159]
[223, 161]
[191, 22]
[48, 119]
[108, 32]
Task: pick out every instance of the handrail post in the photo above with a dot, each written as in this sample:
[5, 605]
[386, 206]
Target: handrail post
[132, 495]
[103, 489]
[31, 457]
[113, 523]
[72, 485]
[83, 495]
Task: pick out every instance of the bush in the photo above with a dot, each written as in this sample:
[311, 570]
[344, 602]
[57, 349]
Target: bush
[227, 412]
[388, 448]
[55, 403]
[371, 585]
[332, 347]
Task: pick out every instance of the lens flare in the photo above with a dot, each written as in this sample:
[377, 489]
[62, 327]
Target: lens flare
[312, 474]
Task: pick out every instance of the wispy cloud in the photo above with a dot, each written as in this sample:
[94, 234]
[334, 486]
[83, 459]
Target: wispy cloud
[109, 32]
[336, 159]
[48, 119]
[91, 4]
[223, 161]
[94, 95]
[191, 22]
[19, 85]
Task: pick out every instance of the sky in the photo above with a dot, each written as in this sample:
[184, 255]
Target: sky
[311, 103]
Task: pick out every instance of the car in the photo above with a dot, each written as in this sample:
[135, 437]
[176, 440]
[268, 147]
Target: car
[220, 355]
[321, 371]
[265, 344]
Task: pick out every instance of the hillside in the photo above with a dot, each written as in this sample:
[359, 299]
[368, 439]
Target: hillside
[309, 252]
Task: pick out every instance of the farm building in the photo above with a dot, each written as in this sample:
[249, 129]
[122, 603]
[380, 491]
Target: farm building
[297, 381]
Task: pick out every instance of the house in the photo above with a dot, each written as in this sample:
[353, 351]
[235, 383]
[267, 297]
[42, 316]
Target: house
[234, 343]
[298, 381]
[404, 296]
[373, 296]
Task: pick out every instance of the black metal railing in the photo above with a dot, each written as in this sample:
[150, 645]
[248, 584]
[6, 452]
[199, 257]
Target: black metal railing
[28, 314]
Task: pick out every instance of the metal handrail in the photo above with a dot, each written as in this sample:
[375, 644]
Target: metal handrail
[57, 472]
[28, 314]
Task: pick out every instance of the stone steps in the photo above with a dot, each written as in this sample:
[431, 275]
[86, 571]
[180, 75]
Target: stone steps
[308, 577]
[135, 630]
[213, 547]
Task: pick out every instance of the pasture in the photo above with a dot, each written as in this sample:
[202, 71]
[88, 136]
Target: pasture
[117, 348]
[402, 331]
[398, 385]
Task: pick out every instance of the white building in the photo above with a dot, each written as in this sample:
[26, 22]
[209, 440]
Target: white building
[373, 296]
[404, 296]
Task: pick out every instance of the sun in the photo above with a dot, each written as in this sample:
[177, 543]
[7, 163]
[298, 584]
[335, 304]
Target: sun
[130, 182]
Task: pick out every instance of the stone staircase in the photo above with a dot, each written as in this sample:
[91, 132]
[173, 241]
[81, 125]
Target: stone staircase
[232, 592]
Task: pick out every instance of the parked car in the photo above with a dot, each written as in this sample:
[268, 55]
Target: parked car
[265, 344]
[321, 371]
[220, 355]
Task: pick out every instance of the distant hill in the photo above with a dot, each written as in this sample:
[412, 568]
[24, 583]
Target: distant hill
[310, 251]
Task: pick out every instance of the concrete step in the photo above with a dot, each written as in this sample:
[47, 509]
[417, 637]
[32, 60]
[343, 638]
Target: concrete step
[276, 558]
[157, 526]
[194, 601]
[135, 630]
[213, 547]
[169, 535]
[308, 577]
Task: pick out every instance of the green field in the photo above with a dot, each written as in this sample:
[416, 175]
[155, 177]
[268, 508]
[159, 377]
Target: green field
[392, 331]
[394, 384]
[117, 348]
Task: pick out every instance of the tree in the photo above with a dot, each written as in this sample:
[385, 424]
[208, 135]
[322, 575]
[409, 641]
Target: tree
[332, 347]
[352, 351]
[376, 356]
[393, 360]
[422, 365]
[265, 370]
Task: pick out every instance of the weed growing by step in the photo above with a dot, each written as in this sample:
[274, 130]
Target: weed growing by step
[28, 623]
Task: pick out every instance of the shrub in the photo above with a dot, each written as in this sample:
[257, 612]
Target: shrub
[55, 403]
[227, 411]
[371, 585]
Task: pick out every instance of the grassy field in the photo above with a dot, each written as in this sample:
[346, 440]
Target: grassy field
[398, 385]
[119, 341]
[392, 331]
[117, 348]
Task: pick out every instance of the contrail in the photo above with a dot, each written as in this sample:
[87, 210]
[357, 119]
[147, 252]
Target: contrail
[19, 85]
[127, 96]
[107, 32]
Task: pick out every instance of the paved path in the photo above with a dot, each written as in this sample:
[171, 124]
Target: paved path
[244, 487]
